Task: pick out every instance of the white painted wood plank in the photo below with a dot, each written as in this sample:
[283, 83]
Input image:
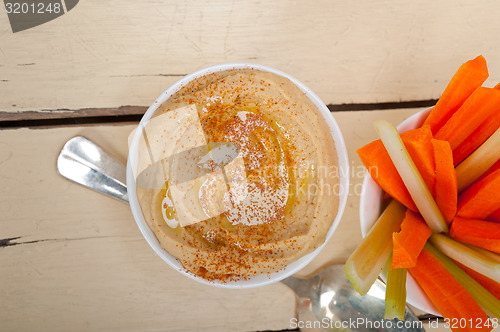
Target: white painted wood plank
[85, 265]
[89, 267]
[125, 52]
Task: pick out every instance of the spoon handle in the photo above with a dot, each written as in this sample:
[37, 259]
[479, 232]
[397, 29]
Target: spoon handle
[293, 283]
[83, 162]
[301, 287]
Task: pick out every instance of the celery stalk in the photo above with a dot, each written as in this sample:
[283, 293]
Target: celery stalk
[487, 253]
[395, 294]
[411, 177]
[479, 161]
[466, 256]
[482, 296]
[365, 263]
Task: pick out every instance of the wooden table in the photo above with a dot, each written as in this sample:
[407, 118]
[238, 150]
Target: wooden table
[73, 260]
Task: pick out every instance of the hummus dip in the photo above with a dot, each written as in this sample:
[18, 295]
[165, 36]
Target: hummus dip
[269, 200]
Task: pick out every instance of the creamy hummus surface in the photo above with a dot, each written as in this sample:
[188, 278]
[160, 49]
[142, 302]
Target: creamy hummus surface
[266, 200]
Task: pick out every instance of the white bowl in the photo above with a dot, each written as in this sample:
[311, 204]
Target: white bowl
[259, 280]
[370, 210]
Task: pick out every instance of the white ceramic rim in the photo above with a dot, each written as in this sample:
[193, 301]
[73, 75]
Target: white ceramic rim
[370, 209]
[259, 280]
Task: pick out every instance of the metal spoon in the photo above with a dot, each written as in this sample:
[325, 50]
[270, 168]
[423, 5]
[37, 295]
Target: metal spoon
[328, 300]
[325, 301]
[83, 162]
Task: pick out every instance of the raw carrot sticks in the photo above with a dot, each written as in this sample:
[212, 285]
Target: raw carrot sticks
[468, 78]
[378, 163]
[479, 162]
[481, 199]
[495, 216]
[410, 176]
[449, 296]
[454, 152]
[478, 108]
[487, 301]
[421, 151]
[446, 179]
[468, 256]
[491, 285]
[481, 233]
[478, 137]
[408, 243]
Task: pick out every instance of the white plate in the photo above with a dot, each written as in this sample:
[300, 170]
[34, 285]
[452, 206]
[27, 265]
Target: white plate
[370, 210]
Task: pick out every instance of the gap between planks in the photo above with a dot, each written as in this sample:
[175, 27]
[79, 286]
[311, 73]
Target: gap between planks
[124, 114]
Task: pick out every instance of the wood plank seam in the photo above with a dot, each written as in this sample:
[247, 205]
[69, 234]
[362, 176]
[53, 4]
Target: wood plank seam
[63, 122]
[13, 241]
[51, 118]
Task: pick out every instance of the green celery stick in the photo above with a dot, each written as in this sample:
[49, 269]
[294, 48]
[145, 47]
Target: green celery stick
[368, 259]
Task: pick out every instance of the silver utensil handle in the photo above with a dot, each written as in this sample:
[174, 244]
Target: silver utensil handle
[83, 162]
[301, 286]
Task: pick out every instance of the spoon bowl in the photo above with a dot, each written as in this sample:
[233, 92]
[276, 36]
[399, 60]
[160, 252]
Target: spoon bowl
[327, 301]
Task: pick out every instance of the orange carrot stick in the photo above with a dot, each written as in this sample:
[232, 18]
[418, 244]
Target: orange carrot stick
[468, 78]
[408, 242]
[446, 179]
[491, 285]
[378, 163]
[495, 216]
[478, 137]
[451, 299]
[376, 159]
[421, 151]
[478, 108]
[481, 233]
[481, 199]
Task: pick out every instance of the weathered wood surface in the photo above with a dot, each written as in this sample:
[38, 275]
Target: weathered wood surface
[107, 54]
[72, 259]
